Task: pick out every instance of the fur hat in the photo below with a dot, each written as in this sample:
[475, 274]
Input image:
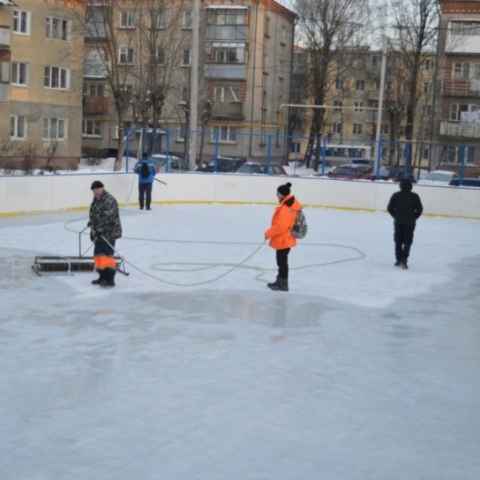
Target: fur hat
[284, 190]
[96, 184]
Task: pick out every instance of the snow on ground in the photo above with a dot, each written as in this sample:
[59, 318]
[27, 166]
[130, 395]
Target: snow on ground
[362, 370]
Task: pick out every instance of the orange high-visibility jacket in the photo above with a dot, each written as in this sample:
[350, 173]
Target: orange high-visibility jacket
[282, 222]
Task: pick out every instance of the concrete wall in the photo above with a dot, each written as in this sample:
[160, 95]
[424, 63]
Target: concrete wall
[29, 194]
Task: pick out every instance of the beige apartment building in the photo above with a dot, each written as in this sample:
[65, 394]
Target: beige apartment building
[41, 52]
[245, 52]
[353, 99]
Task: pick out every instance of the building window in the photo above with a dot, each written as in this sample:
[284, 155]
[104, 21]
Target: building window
[186, 58]
[228, 53]
[461, 70]
[160, 56]
[159, 20]
[57, 78]
[225, 134]
[357, 128]
[376, 61]
[427, 110]
[456, 110]
[21, 22]
[283, 40]
[128, 19]
[385, 129]
[429, 65]
[18, 127]
[57, 29]
[226, 94]
[227, 17]
[358, 107]
[54, 129]
[425, 154]
[94, 89]
[126, 56]
[465, 28]
[337, 106]
[20, 73]
[185, 96]
[389, 86]
[187, 19]
[336, 127]
[360, 85]
[338, 84]
[361, 64]
[426, 88]
[340, 62]
[295, 147]
[267, 27]
[90, 128]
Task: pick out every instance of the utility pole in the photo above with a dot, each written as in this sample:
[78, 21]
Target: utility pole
[192, 152]
[380, 106]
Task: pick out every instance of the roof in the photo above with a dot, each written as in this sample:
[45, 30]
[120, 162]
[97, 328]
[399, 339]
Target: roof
[7, 2]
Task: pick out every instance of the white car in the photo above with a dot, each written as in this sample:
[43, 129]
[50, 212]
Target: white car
[438, 177]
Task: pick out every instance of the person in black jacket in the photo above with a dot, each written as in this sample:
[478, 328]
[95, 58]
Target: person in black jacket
[405, 207]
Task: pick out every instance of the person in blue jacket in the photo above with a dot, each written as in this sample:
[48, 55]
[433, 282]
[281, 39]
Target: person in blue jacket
[146, 172]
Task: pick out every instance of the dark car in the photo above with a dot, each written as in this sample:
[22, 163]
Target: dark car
[467, 182]
[260, 168]
[349, 172]
[390, 174]
[224, 165]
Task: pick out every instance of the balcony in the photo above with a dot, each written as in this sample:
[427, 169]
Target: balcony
[227, 32]
[4, 37]
[375, 95]
[459, 129]
[95, 69]
[453, 87]
[225, 70]
[228, 111]
[92, 105]
[3, 92]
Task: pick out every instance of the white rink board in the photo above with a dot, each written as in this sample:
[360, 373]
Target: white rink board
[19, 195]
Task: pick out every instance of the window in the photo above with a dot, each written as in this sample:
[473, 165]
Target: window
[18, 127]
[429, 65]
[360, 85]
[94, 89]
[128, 19]
[187, 19]
[226, 94]
[401, 131]
[340, 62]
[227, 17]
[336, 128]
[20, 73]
[456, 110]
[295, 147]
[426, 87]
[283, 40]
[425, 154]
[267, 26]
[461, 70]
[185, 96]
[54, 129]
[90, 128]
[225, 52]
[427, 110]
[186, 58]
[337, 106]
[361, 64]
[21, 22]
[126, 56]
[56, 77]
[159, 20]
[465, 28]
[358, 107]
[376, 61]
[225, 134]
[339, 84]
[160, 56]
[385, 129]
[389, 86]
[357, 128]
[57, 29]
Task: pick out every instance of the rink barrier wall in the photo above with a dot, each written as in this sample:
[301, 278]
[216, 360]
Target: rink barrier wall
[49, 193]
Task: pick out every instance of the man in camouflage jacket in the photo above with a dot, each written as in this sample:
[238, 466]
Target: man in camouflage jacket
[105, 230]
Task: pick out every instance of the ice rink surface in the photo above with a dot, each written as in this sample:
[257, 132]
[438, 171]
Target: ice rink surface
[190, 368]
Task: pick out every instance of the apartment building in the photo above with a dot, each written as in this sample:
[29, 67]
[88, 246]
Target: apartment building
[41, 55]
[459, 92]
[245, 52]
[353, 99]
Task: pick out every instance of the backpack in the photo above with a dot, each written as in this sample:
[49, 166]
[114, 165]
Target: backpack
[144, 171]
[300, 227]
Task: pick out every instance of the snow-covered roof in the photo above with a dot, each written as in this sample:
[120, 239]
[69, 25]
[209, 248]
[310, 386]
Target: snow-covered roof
[6, 2]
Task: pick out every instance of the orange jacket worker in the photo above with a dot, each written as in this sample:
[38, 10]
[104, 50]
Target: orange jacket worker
[280, 235]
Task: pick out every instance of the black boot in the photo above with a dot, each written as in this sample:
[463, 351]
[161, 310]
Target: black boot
[109, 276]
[100, 279]
[273, 284]
[281, 286]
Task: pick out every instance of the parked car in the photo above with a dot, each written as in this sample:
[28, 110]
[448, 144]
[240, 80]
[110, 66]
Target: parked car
[260, 168]
[359, 161]
[175, 164]
[390, 174]
[350, 172]
[224, 165]
[467, 182]
[438, 177]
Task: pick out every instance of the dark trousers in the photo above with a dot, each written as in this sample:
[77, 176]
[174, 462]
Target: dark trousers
[403, 238]
[145, 189]
[282, 262]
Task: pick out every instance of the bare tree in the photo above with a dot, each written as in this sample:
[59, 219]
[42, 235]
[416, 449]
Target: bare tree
[329, 26]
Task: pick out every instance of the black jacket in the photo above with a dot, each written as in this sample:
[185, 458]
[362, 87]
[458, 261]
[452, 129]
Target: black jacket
[405, 206]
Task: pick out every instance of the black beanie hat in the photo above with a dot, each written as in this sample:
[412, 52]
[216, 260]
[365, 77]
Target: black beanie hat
[96, 184]
[284, 189]
[405, 185]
